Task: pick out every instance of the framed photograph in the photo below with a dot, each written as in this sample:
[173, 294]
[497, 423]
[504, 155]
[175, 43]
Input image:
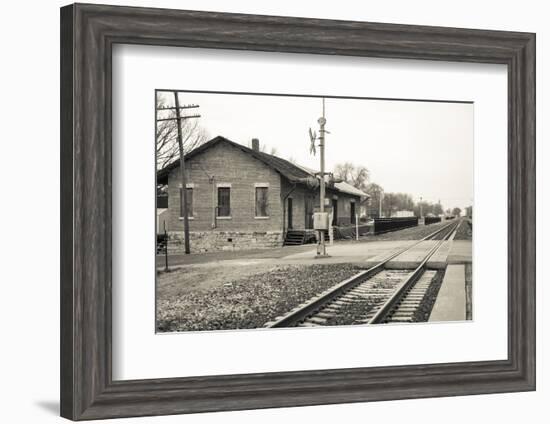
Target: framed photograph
[262, 211]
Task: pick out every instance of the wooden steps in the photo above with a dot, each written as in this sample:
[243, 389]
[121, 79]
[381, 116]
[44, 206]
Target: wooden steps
[299, 237]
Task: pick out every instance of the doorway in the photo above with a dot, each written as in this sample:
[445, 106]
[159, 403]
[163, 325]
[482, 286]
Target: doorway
[334, 212]
[289, 212]
[309, 212]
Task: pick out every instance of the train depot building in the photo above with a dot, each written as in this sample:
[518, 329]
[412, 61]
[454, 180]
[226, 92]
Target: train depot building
[242, 198]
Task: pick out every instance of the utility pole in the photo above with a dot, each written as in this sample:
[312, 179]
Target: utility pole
[179, 118]
[321, 249]
[420, 207]
[380, 194]
[183, 177]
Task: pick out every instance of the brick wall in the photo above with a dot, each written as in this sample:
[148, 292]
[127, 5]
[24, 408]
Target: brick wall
[298, 196]
[344, 208]
[224, 164]
[298, 204]
[227, 165]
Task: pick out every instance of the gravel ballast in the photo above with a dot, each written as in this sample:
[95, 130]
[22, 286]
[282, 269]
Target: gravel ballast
[249, 302]
[423, 312]
[464, 231]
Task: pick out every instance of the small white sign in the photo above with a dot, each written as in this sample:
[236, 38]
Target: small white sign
[320, 221]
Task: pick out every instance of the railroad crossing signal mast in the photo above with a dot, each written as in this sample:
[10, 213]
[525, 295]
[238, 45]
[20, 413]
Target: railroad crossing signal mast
[179, 118]
[321, 219]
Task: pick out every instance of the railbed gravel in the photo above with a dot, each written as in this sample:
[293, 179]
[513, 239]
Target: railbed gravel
[423, 312]
[250, 302]
[358, 311]
[464, 231]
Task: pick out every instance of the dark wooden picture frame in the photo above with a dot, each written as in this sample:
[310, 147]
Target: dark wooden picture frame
[88, 33]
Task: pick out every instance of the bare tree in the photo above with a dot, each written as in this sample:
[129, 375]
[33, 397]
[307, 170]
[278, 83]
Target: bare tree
[357, 176]
[428, 208]
[344, 171]
[393, 202]
[376, 193]
[193, 135]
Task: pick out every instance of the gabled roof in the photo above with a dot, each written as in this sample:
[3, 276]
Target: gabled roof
[340, 186]
[348, 188]
[293, 173]
[290, 171]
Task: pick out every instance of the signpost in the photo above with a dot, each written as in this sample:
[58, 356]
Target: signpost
[321, 220]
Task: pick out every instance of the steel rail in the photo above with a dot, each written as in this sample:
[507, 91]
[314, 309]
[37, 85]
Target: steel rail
[386, 309]
[303, 311]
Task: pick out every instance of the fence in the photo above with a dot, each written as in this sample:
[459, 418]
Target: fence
[383, 225]
[350, 231]
[431, 220]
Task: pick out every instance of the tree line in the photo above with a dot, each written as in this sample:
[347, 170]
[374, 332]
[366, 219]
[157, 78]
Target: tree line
[382, 202]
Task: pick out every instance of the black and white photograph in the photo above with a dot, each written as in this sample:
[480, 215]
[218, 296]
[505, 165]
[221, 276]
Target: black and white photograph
[275, 212]
[278, 210]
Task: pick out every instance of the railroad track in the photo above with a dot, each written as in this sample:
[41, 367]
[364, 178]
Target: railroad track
[374, 296]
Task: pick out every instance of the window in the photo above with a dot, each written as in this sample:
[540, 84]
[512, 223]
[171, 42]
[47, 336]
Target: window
[224, 201]
[261, 201]
[189, 202]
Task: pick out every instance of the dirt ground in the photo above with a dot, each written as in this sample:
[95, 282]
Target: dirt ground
[183, 280]
[238, 301]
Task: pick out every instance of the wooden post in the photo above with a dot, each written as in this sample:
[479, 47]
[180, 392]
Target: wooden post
[183, 178]
[165, 247]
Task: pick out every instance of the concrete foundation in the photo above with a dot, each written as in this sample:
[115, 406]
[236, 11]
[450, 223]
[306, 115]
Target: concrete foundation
[439, 258]
[214, 241]
[461, 252]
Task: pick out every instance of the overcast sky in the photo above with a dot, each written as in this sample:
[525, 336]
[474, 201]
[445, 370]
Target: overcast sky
[421, 148]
